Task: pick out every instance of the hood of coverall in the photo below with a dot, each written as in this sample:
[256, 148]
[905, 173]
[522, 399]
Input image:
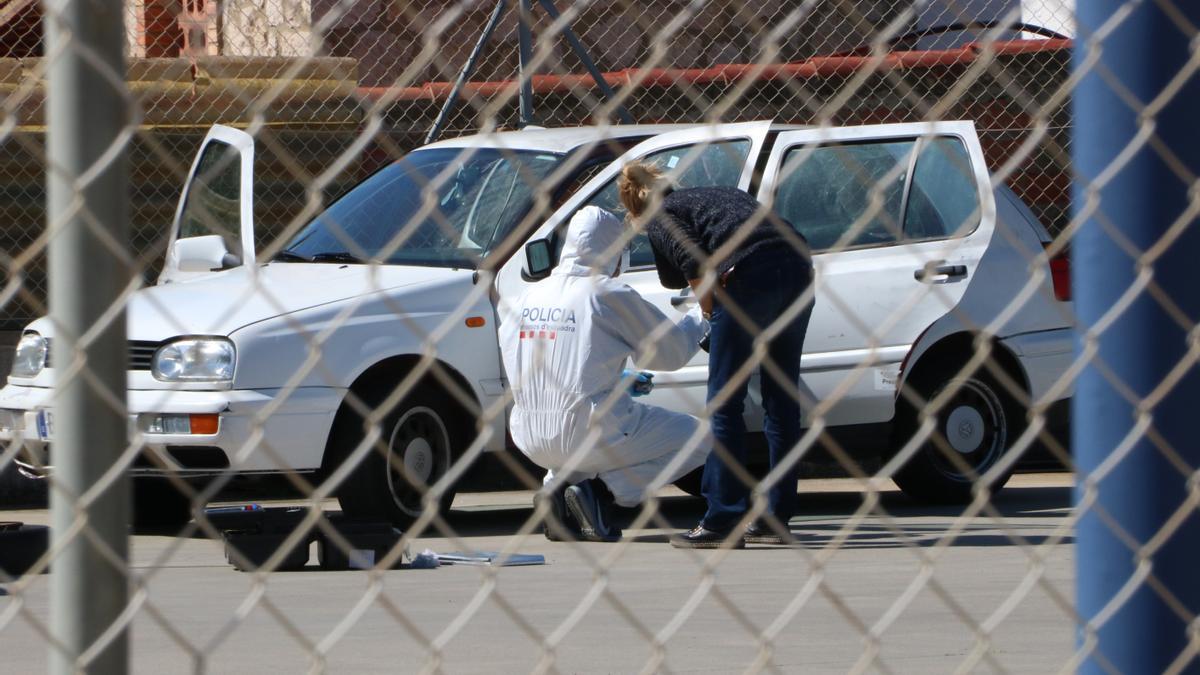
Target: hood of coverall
[593, 244]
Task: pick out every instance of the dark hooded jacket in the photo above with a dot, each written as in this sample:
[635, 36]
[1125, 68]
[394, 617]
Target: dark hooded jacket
[694, 222]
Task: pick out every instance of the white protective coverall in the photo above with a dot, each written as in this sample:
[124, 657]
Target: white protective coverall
[566, 341]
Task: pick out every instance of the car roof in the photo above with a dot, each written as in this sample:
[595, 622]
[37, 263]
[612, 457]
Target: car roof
[559, 140]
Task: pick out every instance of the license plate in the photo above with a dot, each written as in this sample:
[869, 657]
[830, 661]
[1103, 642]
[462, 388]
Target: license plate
[45, 424]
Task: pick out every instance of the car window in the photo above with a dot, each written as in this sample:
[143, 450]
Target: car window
[844, 195]
[943, 199]
[501, 183]
[213, 203]
[439, 207]
[718, 164]
[853, 194]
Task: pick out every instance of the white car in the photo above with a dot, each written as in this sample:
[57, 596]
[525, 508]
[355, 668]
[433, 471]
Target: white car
[244, 365]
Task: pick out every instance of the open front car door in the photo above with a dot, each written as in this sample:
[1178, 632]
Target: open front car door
[213, 228]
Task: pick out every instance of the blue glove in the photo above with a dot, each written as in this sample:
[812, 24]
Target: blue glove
[642, 382]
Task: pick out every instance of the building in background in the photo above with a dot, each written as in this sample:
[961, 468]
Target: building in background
[1050, 16]
[385, 35]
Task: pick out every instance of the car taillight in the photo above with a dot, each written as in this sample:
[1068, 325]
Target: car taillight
[1060, 273]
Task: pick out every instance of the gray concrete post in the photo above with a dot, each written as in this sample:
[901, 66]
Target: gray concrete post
[87, 188]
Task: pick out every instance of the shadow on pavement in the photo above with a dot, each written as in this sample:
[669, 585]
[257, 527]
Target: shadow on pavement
[823, 515]
[820, 522]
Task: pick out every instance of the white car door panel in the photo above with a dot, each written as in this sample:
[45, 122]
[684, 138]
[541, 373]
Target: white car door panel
[898, 217]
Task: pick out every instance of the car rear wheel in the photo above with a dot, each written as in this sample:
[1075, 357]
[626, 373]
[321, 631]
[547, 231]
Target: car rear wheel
[417, 446]
[973, 429]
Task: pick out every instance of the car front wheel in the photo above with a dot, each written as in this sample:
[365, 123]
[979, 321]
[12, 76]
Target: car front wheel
[21, 546]
[415, 450]
[158, 503]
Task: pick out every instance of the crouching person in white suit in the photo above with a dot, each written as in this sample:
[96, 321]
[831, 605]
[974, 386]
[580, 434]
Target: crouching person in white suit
[565, 342]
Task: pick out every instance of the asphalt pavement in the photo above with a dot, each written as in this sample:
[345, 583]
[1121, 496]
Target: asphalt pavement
[893, 587]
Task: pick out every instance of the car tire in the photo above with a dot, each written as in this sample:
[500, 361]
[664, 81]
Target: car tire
[17, 490]
[21, 546]
[974, 429]
[420, 439]
[158, 504]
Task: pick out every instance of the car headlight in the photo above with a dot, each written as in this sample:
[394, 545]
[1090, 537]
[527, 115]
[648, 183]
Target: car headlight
[30, 358]
[194, 360]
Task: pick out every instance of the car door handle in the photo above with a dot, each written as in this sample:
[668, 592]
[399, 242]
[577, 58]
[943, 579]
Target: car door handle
[935, 272]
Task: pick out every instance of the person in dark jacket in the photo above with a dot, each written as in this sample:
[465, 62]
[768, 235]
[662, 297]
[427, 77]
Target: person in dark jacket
[759, 271]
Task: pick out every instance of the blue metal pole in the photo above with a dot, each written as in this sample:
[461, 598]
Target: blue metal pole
[1147, 632]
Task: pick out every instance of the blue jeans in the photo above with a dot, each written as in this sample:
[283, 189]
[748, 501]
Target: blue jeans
[763, 288]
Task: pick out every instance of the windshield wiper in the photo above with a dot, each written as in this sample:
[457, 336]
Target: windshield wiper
[290, 256]
[337, 257]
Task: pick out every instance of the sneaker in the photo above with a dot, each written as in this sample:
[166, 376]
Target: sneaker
[702, 537]
[591, 512]
[557, 525]
[762, 533]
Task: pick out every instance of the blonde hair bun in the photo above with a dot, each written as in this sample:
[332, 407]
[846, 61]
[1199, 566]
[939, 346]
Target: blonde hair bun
[637, 183]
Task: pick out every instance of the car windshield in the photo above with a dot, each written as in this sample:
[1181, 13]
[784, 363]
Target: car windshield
[441, 207]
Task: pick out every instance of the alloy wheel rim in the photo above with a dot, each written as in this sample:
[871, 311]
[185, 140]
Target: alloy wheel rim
[418, 454]
[973, 425]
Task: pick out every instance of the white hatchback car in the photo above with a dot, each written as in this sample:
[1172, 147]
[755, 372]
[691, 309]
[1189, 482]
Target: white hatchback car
[242, 365]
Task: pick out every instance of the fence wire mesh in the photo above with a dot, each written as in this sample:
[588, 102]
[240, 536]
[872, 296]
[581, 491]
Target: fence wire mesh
[325, 312]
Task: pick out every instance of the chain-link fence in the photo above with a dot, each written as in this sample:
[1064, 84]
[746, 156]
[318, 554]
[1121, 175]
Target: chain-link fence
[659, 251]
[319, 72]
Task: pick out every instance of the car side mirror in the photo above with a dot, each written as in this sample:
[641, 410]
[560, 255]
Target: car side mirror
[538, 260]
[203, 254]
